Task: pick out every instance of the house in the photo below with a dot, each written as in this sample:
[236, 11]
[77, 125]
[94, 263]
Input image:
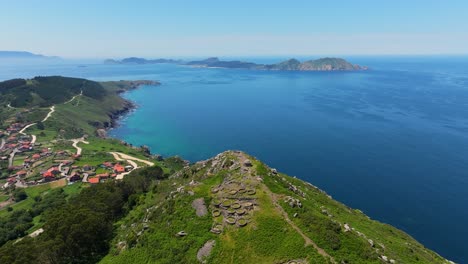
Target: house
[108, 164]
[119, 168]
[74, 177]
[51, 173]
[36, 156]
[25, 147]
[11, 180]
[103, 176]
[93, 180]
[87, 167]
[21, 173]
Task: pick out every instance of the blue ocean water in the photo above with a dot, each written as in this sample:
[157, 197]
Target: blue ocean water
[391, 141]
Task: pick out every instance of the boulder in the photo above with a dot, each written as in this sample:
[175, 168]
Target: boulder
[181, 234]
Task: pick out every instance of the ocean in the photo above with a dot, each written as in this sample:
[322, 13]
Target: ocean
[391, 141]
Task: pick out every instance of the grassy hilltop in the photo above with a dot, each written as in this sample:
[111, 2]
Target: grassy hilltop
[229, 209]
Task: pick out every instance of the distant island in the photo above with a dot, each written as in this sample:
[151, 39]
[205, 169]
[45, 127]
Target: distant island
[323, 64]
[23, 55]
[134, 60]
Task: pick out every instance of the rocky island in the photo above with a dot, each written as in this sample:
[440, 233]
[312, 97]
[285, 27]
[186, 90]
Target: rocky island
[323, 64]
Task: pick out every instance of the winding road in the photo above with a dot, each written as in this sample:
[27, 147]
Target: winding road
[26, 127]
[75, 144]
[52, 109]
[73, 98]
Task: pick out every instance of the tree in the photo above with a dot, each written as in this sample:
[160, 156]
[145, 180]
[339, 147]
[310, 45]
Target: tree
[19, 195]
[40, 125]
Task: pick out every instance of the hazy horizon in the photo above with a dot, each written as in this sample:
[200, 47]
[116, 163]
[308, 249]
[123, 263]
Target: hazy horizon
[89, 29]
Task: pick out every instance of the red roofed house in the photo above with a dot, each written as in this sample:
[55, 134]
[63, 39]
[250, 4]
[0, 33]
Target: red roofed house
[119, 168]
[108, 164]
[36, 156]
[103, 175]
[21, 173]
[93, 180]
[51, 173]
[11, 180]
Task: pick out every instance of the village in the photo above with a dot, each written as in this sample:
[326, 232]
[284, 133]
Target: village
[30, 163]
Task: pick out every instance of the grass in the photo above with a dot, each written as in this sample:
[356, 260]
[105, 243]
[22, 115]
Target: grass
[75, 188]
[32, 192]
[4, 198]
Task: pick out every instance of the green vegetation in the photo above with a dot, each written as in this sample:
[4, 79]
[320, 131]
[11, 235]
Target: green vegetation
[79, 229]
[229, 209]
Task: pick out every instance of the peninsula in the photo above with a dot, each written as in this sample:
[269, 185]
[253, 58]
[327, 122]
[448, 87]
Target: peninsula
[76, 196]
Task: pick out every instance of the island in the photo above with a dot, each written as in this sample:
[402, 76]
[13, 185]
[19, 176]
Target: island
[23, 55]
[322, 64]
[69, 194]
[135, 60]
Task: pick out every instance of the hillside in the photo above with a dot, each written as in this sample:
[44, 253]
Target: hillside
[96, 106]
[89, 199]
[234, 209]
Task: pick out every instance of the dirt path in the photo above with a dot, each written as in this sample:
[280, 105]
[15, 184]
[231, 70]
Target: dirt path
[2, 144]
[26, 127]
[122, 156]
[12, 156]
[73, 98]
[52, 109]
[36, 233]
[122, 175]
[308, 241]
[75, 144]
[130, 159]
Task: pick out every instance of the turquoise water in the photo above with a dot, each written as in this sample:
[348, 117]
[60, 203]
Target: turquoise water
[392, 141]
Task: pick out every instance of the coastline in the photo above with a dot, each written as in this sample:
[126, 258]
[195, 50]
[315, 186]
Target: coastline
[128, 107]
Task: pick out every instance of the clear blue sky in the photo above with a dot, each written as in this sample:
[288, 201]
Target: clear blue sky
[118, 28]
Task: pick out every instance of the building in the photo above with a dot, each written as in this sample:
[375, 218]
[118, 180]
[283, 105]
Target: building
[93, 180]
[119, 168]
[74, 177]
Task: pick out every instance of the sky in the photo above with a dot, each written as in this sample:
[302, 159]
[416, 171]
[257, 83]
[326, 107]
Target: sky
[175, 28]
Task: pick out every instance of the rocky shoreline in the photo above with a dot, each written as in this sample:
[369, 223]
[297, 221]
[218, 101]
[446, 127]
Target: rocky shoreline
[127, 106]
